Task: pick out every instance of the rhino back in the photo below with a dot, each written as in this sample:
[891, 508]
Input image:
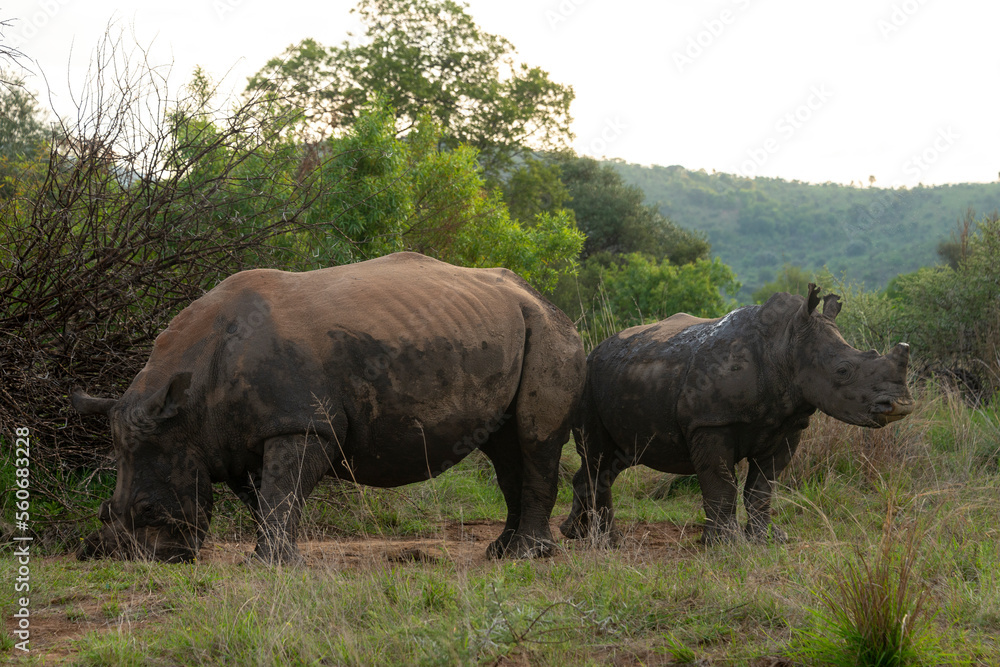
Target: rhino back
[655, 385]
[633, 383]
[406, 353]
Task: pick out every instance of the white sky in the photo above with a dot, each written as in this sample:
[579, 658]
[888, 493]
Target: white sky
[905, 90]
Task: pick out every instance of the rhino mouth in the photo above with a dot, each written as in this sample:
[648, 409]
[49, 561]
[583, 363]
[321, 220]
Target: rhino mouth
[166, 540]
[888, 411]
[129, 546]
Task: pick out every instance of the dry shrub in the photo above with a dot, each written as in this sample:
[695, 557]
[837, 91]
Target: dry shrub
[145, 200]
[832, 446]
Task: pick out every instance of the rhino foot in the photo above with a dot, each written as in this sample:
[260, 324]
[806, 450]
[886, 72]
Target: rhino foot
[517, 545]
[572, 528]
[728, 534]
[285, 555]
[597, 536]
[770, 534]
[594, 525]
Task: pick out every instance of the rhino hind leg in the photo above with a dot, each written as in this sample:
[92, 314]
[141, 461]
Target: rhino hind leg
[527, 473]
[592, 514]
[292, 466]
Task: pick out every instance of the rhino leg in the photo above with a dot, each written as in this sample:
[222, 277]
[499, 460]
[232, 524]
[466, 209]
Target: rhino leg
[249, 493]
[714, 462]
[292, 466]
[504, 452]
[757, 495]
[759, 490]
[528, 477]
[593, 514]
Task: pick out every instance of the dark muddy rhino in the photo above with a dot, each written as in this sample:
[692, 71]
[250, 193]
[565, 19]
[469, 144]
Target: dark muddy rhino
[695, 396]
[384, 373]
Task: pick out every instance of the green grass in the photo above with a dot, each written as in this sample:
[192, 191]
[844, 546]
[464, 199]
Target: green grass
[908, 513]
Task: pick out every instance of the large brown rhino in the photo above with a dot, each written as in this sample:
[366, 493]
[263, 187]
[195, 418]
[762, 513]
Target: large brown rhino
[383, 372]
[695, 396]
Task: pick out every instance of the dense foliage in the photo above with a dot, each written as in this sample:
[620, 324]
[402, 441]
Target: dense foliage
[638, 266]
[952, 315]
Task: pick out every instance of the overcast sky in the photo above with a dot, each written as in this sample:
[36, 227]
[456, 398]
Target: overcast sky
[903, 90]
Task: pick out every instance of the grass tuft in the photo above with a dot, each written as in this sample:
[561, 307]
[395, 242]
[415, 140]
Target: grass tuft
[874, 612]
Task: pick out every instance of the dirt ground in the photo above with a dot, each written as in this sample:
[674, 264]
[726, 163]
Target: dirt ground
[58, 621]
[464, 544]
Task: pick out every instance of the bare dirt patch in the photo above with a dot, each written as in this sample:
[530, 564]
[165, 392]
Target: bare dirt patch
[58, 621]
[461, 543]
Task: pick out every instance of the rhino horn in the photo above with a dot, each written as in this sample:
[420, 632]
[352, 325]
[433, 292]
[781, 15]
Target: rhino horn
[88, 405]
[900, 354]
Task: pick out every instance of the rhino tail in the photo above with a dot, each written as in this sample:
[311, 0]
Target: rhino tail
[552, 375]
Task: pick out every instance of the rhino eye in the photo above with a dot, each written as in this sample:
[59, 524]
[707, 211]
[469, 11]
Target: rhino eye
[843, 371]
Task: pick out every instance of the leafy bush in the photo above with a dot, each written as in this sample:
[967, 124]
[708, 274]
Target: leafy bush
[642, 290]
[952, 315]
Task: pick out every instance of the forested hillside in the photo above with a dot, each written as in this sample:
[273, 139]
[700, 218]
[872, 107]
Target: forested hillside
[757, 226]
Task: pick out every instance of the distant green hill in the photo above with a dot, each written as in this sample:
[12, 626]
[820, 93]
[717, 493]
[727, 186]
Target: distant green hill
[758, 225]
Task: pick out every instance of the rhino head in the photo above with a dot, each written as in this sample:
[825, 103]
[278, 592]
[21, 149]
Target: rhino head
[861, 388]
[162, 502]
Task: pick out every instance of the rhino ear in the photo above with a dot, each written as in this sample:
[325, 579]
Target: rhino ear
[831, 306]
[168, 401]
[88, 405]
[809, 307]
[813, 299]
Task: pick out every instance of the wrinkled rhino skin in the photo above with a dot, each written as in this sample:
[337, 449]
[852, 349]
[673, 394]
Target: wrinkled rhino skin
[695, 396]
[384, 372]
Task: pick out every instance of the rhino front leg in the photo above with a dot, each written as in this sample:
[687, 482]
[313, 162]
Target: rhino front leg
[713, 456]
[292, 466]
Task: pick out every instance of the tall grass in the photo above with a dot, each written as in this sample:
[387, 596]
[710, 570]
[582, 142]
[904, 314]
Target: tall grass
[598, 320]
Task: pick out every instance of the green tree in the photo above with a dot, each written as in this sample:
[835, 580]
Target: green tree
[956, 248]
[427, 57]
[792, 279]
[535, 187]
[616, 219]
[643, 290]
[22, 120]
[23, 135]
[952, 315]
[404, 193]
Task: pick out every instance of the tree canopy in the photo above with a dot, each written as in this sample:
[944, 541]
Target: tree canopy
[616, 219]
[426, 57]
